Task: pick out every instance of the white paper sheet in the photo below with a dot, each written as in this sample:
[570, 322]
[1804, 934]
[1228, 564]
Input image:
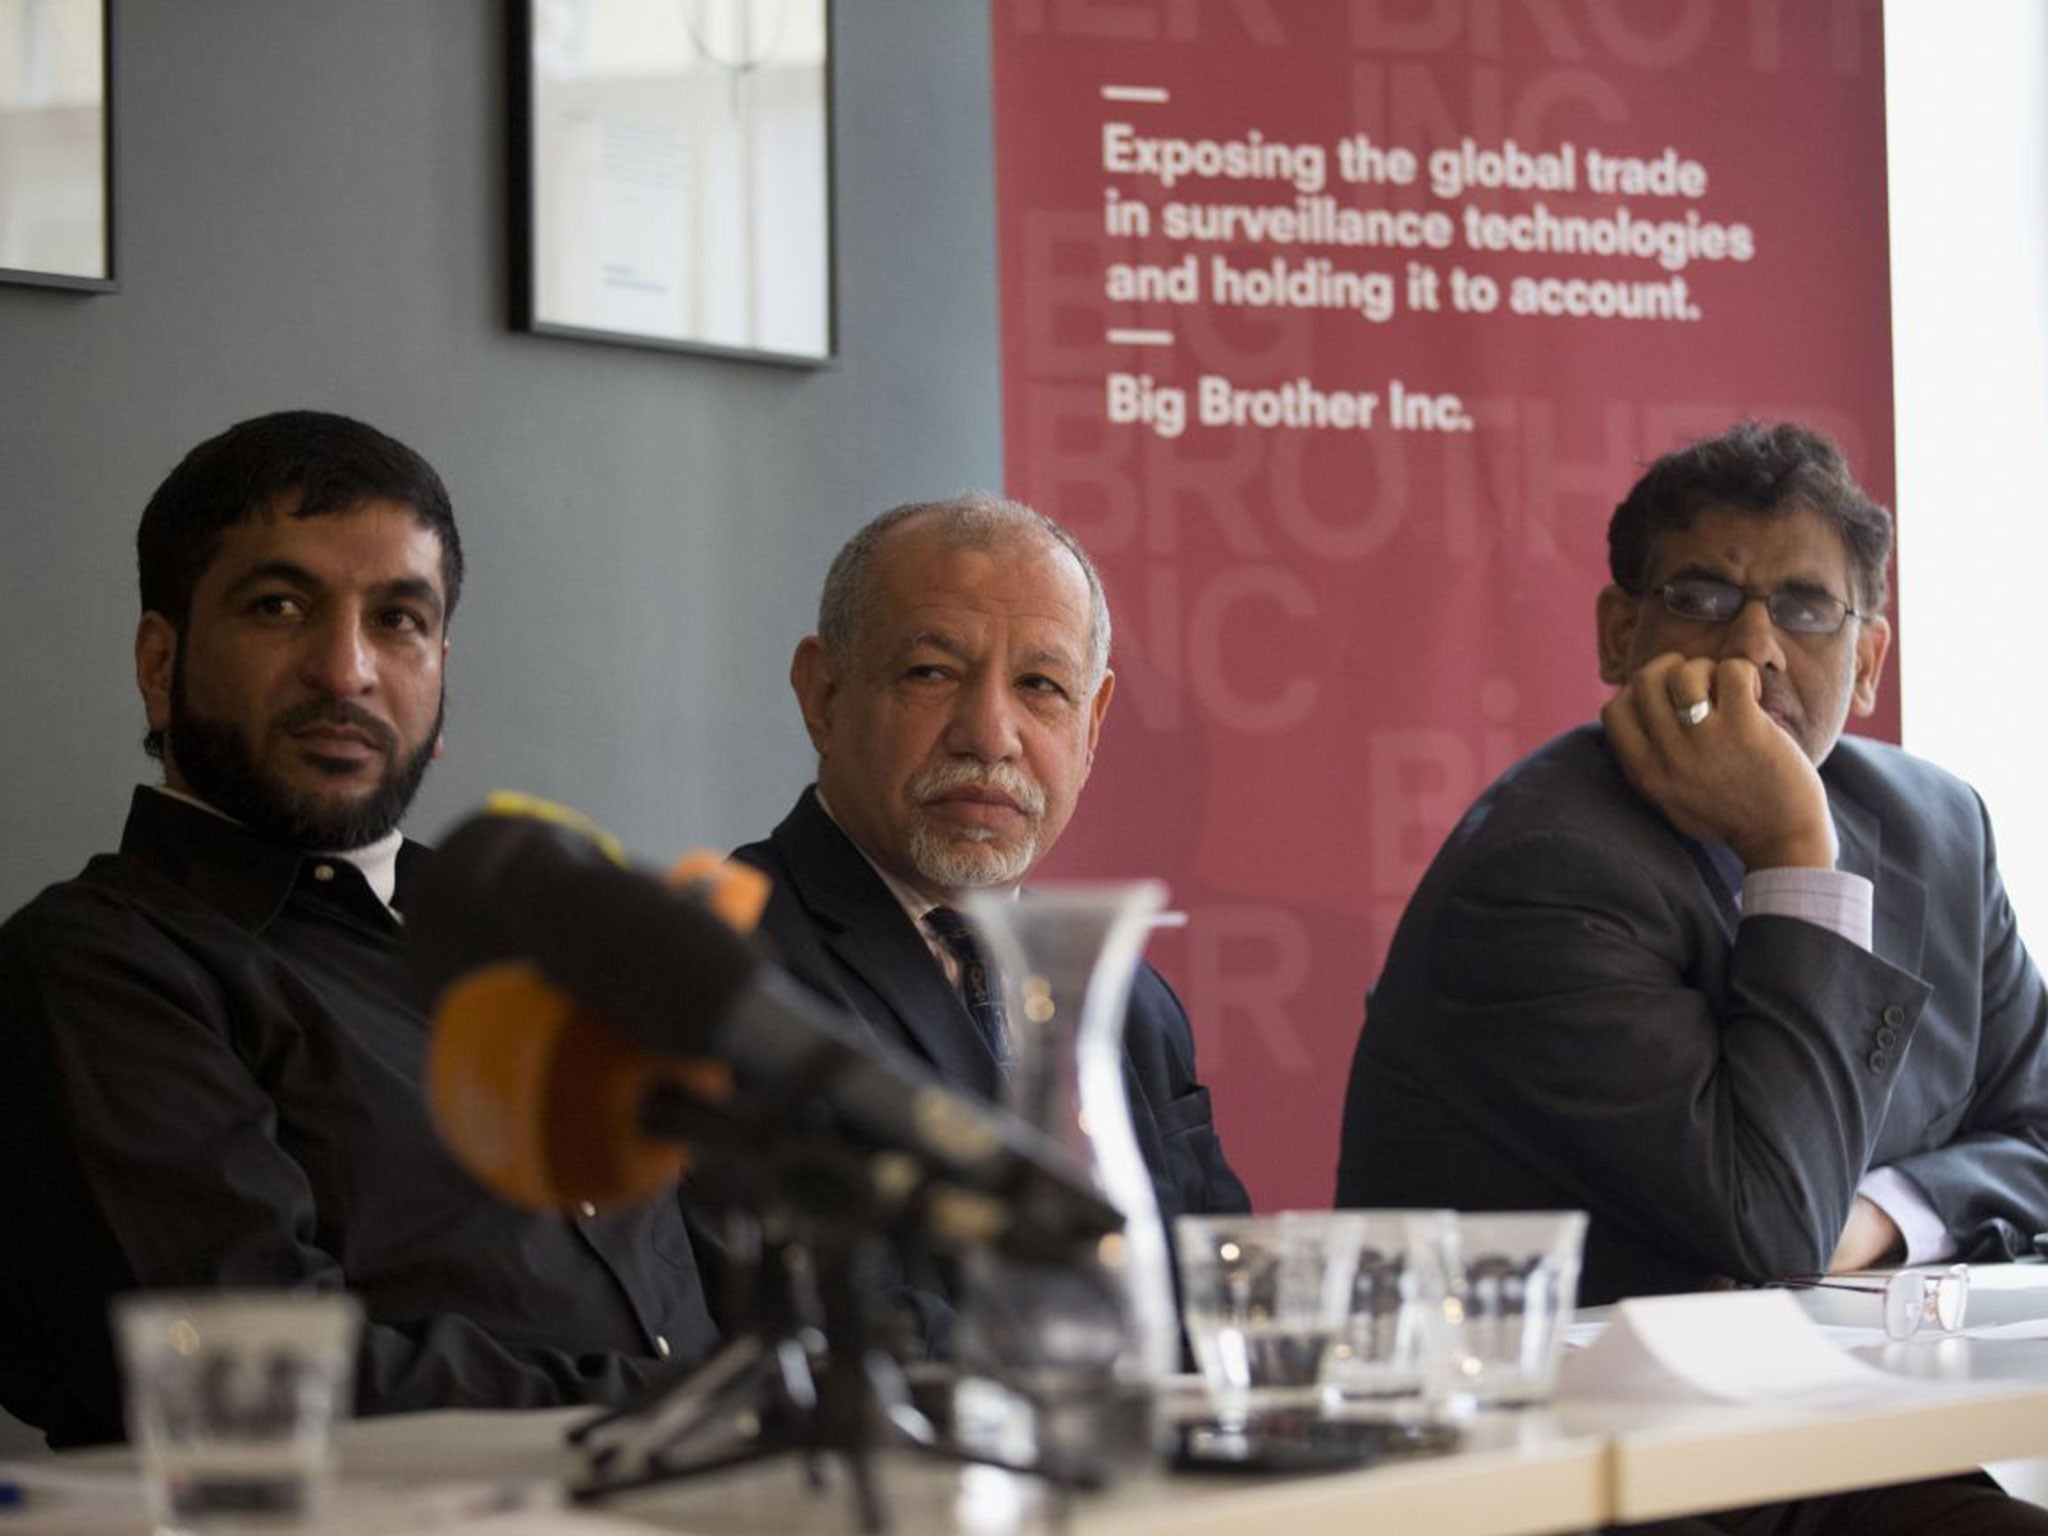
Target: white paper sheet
[1728, 1346]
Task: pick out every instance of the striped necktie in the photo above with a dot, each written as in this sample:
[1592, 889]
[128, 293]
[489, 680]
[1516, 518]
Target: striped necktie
[978, 986]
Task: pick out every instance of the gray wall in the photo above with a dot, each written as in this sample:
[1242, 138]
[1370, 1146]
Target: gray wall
[313, 213]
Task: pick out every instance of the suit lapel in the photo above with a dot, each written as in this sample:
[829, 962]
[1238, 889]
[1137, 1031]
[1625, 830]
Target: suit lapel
[1898, 924]
[869, 934]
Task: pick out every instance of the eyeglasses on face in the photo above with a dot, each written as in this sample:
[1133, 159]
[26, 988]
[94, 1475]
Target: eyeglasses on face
[1795, 610]
[1912, 1297]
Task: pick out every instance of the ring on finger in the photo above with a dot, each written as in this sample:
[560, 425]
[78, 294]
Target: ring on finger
[1695, 712]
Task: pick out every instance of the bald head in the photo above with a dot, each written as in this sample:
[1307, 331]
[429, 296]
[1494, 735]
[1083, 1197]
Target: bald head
[972, 520]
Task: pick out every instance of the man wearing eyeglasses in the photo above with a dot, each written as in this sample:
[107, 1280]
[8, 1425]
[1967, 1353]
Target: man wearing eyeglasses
[1746, 990]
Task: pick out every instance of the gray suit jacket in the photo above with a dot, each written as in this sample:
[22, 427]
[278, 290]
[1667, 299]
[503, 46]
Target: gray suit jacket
[1572, 1014]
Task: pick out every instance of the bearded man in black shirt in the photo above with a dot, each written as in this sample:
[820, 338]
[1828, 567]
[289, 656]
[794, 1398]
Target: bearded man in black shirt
[214, 1050]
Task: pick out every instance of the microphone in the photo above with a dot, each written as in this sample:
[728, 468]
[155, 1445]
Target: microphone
[590, 1020]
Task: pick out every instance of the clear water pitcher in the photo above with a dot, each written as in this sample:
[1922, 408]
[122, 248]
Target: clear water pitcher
[1062, 1363]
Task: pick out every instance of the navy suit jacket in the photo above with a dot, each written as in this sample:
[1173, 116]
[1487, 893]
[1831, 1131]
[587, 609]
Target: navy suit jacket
[1574, 1014]
[838, 929]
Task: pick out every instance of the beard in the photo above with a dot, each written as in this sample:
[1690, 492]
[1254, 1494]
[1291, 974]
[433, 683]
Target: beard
[956, 858]
[220, 767]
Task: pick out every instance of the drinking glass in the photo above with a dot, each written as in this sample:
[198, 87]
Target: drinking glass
[1510, 1282]
[232, 1397]
[1266, 1299]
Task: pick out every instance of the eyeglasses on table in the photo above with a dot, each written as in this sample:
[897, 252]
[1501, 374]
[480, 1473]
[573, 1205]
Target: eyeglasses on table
[1912, 1298]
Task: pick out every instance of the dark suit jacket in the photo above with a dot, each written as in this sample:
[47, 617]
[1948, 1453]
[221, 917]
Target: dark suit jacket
[840, 931]
[1573, 1015]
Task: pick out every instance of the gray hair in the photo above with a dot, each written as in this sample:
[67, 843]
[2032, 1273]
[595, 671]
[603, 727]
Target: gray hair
[971, 520]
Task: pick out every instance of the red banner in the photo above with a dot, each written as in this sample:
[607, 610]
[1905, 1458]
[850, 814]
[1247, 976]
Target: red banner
[1335, 331]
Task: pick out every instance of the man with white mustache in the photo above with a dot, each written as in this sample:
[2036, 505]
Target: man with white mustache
[955, 690]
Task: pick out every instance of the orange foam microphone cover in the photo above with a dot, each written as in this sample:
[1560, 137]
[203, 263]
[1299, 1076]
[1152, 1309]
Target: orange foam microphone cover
[540, 1099]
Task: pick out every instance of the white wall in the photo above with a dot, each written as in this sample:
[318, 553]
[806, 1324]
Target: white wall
[1967, 99]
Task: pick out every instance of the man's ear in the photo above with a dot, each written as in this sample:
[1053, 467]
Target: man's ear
[1097, 708]
[156, 660]
[1615, 616]
[1871, 646]
[815, 681]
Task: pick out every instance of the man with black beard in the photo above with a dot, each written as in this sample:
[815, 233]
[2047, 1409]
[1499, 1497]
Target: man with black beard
[214, 1050]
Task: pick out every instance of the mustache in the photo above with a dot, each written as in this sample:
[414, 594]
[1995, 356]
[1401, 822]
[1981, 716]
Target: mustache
[340, 712]
[1004, 778]
[1779, 697]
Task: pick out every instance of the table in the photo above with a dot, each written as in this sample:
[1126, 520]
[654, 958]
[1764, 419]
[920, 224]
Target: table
[1523, 1472]
[1675, 1460]
[1573, 1466]
[1665, 1461]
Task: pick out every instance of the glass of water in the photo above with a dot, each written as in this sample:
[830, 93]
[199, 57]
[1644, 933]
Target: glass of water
[1265, 1299]
[232, 1397]
[1397, 1278]
[1511, 1280]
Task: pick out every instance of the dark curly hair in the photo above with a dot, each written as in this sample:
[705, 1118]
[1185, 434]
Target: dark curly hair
[1761, 470]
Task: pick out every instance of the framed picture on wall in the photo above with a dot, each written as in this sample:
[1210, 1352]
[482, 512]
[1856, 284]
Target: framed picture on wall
[57, 143]
[673, 175]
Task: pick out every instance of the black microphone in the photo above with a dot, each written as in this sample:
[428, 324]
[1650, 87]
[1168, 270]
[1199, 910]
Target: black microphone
[513, 907]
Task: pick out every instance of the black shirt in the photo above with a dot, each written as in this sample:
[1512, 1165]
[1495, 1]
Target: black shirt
[211, 1065]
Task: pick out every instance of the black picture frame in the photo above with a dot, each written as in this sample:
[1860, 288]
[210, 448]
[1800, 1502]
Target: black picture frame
[616, 173]
[57, 203]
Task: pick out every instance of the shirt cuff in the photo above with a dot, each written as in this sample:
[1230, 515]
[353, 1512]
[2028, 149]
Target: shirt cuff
[1895, 1193]
[1832, 898]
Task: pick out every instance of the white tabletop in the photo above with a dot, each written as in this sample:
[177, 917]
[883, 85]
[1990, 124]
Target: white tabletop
[1577, 1465]
[1679, 1459]
[1518, 1473]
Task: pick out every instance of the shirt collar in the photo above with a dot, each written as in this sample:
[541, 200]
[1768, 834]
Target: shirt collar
[239, 871]
[377, 862]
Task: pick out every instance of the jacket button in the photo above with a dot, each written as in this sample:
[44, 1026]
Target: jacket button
[1887, 1036]
[1894, 1015]
[1879, 1061]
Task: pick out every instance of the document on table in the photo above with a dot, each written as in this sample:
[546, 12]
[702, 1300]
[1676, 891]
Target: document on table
[1730, 1346]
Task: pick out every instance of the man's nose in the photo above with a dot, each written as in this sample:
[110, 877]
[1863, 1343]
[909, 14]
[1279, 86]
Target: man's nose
[1752, 636]
[984, 722]
[339, 658]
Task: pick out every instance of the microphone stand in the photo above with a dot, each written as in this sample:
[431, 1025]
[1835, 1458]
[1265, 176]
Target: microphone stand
[809, 1370]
